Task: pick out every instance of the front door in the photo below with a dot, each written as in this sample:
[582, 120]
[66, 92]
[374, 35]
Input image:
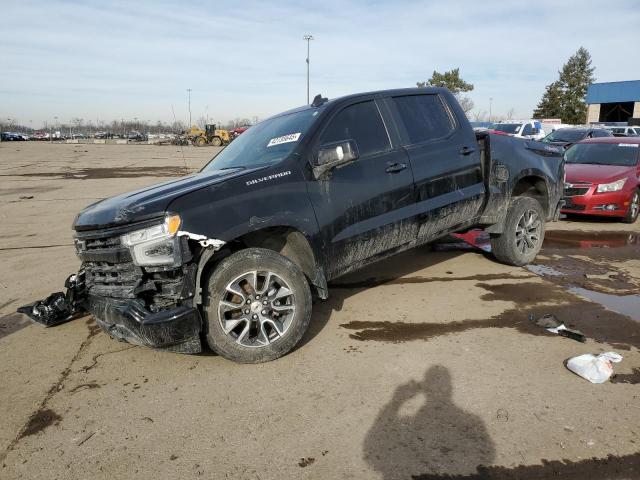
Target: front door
[363, 208]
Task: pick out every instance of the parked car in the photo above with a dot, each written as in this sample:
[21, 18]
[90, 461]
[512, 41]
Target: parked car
[238, 131]
[565, 137]
[531, 129]
[625, 131]
[603, 178]
[136, 136]
[12, 137]
[234, 253]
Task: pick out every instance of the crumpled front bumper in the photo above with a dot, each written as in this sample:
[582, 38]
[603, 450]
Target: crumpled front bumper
[176, 330]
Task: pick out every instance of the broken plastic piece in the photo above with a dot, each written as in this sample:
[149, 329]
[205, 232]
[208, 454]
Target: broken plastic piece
[596, 369]
[553, 325]
[58, 307]
[203, 240]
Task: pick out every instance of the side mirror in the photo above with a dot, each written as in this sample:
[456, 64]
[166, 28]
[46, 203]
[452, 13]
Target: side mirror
[334, 155]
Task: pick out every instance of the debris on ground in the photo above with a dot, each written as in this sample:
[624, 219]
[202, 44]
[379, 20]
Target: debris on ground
[596, 369]
[553, 325]
[58, 307]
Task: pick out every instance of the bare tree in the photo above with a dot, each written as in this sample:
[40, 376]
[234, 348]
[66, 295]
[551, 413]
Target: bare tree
[466, 103]
[510, 113]
[480, 116]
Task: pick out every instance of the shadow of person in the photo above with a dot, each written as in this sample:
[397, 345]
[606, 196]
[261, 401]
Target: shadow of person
[437, 438]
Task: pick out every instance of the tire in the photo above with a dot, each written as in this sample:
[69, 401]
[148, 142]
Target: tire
[525, 214]
[216, 142]
[200, 142]
[240, 290]
[634, 208]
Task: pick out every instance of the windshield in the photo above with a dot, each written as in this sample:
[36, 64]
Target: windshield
[265, 143]
[624, 154]
[506, 127]
[567, 135]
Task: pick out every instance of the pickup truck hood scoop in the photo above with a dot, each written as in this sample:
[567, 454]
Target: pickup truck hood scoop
[149, 202]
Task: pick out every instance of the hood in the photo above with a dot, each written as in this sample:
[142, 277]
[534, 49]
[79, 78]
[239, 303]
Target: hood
[150, 202]
[586, 172]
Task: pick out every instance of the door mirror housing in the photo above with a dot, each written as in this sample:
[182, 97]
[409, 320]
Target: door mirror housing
[334, 155]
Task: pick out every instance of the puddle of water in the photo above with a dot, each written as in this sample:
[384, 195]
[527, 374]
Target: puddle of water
[628, 305]
[544, 270]
[554, 239]
[581, 239]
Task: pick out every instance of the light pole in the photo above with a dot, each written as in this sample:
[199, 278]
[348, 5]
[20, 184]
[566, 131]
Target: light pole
[189, 90]
[308, 38]
[490, 102]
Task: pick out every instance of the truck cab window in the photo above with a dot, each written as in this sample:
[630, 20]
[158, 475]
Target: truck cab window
[362, 123]
[424, 117]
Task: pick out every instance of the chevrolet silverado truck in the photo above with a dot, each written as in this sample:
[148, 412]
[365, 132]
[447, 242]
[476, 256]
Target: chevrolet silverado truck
[234, 254]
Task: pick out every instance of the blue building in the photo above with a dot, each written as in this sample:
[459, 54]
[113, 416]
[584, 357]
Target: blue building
[613, 101]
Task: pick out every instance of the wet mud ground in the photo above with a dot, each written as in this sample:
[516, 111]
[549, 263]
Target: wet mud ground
[427, 365]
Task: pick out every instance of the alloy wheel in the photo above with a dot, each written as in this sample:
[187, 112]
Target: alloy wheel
[257, 308]
[528, 232]
[635, 205]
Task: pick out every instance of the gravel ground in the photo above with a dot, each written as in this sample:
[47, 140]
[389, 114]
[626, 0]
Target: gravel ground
[424, 365]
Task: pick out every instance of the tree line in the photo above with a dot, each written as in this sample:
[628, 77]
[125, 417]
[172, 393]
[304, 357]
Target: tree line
[88, 127]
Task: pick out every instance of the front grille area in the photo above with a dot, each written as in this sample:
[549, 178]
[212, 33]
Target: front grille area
[110, 272]
[574, 207]
[576, 190]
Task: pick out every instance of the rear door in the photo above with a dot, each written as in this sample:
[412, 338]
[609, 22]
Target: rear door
[445, 160]
[363, 207]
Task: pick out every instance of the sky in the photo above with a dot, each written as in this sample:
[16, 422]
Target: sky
[106, 60]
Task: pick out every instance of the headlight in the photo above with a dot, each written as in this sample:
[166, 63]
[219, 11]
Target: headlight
[611, 187]
[157, 245]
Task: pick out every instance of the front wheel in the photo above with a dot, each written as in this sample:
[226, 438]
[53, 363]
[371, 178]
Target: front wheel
[216, 142]
[634, 208]
[257, 306]
[523, 233]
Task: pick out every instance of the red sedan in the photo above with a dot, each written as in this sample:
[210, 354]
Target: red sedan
[603, 178]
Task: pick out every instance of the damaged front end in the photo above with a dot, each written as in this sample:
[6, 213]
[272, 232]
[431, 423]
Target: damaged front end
[140, 282]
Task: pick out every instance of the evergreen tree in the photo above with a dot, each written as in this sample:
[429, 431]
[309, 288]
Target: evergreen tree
[550, 106]
[564, 98]
[454, 83]
[576, 76]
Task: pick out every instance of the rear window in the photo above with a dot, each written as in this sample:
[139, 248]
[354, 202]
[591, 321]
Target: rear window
[511, 128]
[565, 135]
[424, 116]
[624, 154]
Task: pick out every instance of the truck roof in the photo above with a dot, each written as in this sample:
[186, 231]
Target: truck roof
[397, 91]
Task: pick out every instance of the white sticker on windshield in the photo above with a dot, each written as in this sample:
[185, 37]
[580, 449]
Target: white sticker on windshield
[292, 137]
[632, 145]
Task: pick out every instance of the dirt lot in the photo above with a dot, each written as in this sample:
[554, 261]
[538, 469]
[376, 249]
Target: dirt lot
[425, 365]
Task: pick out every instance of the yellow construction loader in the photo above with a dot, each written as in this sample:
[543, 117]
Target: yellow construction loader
[209, 136]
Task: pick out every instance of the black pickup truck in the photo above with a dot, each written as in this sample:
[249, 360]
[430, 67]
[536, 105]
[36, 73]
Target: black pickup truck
[232, 255]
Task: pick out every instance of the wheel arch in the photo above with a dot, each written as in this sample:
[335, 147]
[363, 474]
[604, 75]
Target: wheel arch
[287, 241]
[535, 185]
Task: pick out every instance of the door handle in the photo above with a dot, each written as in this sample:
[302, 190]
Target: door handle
[396, 167]
[467, 151]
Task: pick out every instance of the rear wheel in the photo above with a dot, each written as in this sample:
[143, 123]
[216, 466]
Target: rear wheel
[634, 208]
[217, 141]
[523, 233]
[257, 307]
